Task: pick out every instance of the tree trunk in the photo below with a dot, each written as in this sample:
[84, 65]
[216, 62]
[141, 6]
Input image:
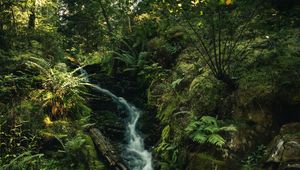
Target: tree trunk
[106, 18]
[31, 22]
[107, 149]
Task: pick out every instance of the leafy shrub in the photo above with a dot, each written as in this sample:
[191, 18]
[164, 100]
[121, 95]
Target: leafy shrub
[254, 159]
[61, 91]
[168, 150]
[73, 148]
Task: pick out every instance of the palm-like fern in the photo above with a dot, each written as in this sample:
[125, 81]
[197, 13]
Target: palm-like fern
[134, 61]
[61, 91]
[206, 130]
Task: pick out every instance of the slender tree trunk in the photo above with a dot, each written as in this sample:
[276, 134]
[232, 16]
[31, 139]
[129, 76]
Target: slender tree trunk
[1, 28]
[31, 21]
[106, 18]
[14, 25]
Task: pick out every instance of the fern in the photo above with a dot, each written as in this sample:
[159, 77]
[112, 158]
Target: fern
[216, 139]
[229, 128]
[208, 120]
[23, 161]
[165, 133]
[199, 137]
[61, 91]
[206, 130]
[175, 83]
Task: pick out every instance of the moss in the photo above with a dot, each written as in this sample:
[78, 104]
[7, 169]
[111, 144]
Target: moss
[91, 153]
[201, 161]
[167, 111]
[186, 68]
[157, 43]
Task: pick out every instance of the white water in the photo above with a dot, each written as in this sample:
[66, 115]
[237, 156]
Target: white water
[137, 156]
[135, 4]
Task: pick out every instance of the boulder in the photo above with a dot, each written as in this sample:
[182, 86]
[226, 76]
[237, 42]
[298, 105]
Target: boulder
[284, 150]
[202, 161]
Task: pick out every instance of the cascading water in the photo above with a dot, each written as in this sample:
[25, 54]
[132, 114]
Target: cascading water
[137, 156]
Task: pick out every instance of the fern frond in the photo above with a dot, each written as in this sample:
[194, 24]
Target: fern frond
[211, 129]
[165, 133]
[230, 128]
[216, 139]
[209, 120]
[199, 137]
[192, 126]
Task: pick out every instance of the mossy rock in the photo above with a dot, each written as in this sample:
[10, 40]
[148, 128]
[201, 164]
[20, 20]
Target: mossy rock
[91, 153]
[163, 52]
[201, 161]
[167, 111]
[155, 91]
[185, 68]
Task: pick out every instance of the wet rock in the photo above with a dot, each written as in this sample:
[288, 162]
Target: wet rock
[201, 161]
[242, 140]
[284, 150]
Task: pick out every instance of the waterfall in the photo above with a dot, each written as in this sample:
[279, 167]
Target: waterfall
[137, 156]
[135, 4]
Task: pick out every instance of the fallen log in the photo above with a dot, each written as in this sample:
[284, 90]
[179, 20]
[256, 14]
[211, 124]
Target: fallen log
[107, 149]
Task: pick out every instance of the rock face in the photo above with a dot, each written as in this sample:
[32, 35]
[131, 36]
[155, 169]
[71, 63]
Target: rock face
[284, 150]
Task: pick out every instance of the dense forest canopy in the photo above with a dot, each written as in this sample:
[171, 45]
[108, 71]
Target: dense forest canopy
[149, 84]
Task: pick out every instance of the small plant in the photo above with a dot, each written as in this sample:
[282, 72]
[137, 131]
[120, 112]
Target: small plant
[16, 141]
[168, 150]
[24, 161]
[72, 150]
[207, 130]
[253, 160]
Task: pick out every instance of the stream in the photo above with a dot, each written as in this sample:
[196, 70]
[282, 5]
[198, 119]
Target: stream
[137, 157]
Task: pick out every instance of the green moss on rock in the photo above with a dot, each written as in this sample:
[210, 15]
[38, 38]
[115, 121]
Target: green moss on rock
[201, 161]
[91, 153]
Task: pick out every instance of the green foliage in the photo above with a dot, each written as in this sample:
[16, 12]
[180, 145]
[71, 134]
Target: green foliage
[207, 130]
[206, 93]
[168, 152]
[134, 63]
[26, 160]
[185, 50]
[16, 141]
[163, 52]
[165, 133]
[176, 83]
[61, 91]
[151, 72]
[168, 148]
[73, 148]
[272, 71]
[253, 161]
